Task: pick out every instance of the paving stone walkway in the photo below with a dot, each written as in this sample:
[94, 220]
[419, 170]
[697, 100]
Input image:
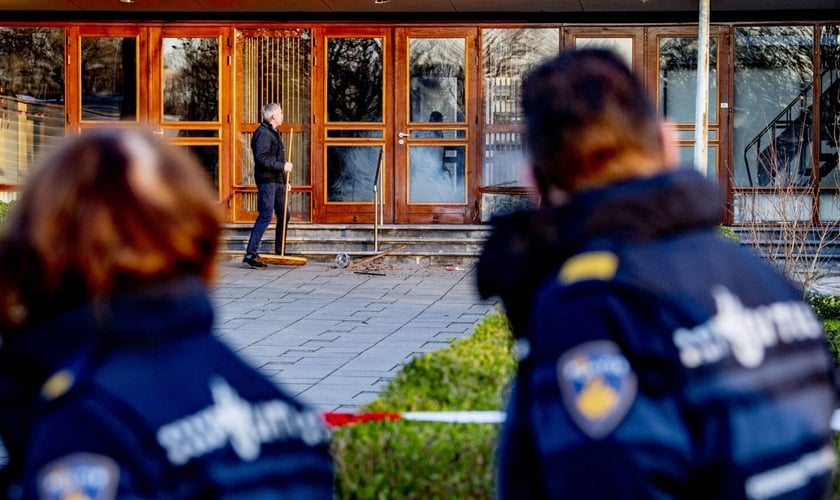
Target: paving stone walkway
[334, 337]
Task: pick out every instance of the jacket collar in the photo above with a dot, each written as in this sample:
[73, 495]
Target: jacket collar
[526, 247]
[154, 314]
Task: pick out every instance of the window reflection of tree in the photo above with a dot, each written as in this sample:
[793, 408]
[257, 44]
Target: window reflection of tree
[508, 53]
[32, 62]
[437, 78]
[31, 90]
[354, 94]
[354, 80]
[773, 70]
[109, 78]
[830, 107]
[678, 78]
[191, 76]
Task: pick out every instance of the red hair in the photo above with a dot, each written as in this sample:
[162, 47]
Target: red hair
[107, 212]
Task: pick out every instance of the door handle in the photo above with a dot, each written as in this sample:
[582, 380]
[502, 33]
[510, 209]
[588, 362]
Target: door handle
[402, 134]
[158, 132]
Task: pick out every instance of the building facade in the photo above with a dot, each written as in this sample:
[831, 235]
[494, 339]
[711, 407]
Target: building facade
[418, 122]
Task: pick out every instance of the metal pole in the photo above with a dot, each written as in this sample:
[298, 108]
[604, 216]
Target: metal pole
[701, 111]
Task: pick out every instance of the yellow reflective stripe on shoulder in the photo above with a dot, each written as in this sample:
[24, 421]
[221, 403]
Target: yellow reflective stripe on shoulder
[589, 266]
[59, 383]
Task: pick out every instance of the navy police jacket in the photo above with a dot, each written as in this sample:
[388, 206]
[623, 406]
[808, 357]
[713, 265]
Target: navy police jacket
[659, 360]
[269, 155]
[136, 398]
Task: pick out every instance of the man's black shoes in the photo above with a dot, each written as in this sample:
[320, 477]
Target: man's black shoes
[253, 263]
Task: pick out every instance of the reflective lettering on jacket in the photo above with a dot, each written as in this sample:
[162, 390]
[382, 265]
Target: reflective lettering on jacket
[744, 333]
[791, 476]
[246, 426]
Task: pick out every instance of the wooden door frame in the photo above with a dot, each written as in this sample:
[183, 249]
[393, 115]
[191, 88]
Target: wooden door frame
[73, 83]
[349, 212]
[149, 91]
[394, 187]
[724, 99]
[224, 35]
[637, 33]
[452, 213]
[241, 126]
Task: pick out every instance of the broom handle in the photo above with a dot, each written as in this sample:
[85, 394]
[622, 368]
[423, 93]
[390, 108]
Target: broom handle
[288, 193]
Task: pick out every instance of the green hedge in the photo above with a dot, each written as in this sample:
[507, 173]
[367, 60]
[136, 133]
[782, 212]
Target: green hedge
[406, 459]
[826, 306]
[729, 233]
[409, 459]
[4, 209]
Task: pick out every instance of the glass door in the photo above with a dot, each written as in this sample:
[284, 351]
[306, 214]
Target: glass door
[674, 79]
[187, 105]
[396, 137]
[109, 84]
[165, 79]
[436, 86]
[353, 145]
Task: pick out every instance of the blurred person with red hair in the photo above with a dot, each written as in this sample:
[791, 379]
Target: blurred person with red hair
[112, 383]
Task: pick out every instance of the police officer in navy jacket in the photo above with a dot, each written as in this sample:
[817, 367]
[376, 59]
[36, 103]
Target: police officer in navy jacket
[112, 384]
[657, 360]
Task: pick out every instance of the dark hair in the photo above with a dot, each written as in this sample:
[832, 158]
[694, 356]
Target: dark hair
[109, 211]
[584, 108]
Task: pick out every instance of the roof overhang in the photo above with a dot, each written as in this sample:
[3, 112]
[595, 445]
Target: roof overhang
[399, 9]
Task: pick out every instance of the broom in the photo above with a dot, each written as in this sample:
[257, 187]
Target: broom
[283, 259]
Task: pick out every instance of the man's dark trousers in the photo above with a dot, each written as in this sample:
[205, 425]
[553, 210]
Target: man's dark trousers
[271, 198]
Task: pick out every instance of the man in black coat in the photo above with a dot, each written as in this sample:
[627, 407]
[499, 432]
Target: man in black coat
[270, 170]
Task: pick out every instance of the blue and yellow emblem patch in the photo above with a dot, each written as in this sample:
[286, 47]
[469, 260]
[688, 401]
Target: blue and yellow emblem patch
[79, 476]
[598, 386]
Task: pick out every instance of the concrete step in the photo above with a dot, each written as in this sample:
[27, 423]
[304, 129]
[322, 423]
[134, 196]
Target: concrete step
[432, 243]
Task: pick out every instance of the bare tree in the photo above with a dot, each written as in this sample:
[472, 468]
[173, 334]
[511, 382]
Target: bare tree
[779, 218]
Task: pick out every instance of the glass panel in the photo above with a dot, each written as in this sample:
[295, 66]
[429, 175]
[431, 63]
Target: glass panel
[300, 206]
[350, 173]
[354, 80]
[830, 107]
[678, 79]
[687, 160]
[183, 132]
[276, 68]
[438, 134]
[191, 79]
[829, 207]
[31, 99]
[300, 158]
[621, 46]
[208, 156]
[357, 134]
[109, 78]
[773, 97]
[758, 207]
[688, 135]
[508, 54]
[436, 174]
[436, 79]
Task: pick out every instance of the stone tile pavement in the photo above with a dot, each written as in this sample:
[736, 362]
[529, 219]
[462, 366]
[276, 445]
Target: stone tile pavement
[334, 337]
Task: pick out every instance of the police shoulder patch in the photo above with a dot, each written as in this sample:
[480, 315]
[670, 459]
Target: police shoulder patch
[596, 265]
[598, 386]
[79, 476]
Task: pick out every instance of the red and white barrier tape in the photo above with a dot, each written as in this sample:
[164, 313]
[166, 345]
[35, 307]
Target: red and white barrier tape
[337, 419]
